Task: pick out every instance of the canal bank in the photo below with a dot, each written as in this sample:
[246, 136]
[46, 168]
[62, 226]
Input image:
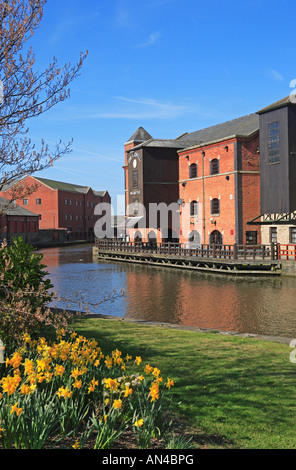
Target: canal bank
[273, 339]
[259, 305]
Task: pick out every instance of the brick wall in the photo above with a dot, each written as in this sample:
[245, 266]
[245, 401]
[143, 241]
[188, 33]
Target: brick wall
[238, 204]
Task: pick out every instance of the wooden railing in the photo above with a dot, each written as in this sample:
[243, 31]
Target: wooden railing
[231, 252]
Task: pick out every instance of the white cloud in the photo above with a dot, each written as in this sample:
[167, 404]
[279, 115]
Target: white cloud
[151, 40]
[275, 75]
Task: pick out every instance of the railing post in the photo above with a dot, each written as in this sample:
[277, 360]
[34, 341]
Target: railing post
[272, 251]
[235, 251]
[169, 248]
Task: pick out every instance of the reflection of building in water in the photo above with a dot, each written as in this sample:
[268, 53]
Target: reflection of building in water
[152, 294]
[236, 305]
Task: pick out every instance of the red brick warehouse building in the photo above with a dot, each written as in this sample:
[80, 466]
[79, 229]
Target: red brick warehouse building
[61, 205]
[213, 173]
[219, 181]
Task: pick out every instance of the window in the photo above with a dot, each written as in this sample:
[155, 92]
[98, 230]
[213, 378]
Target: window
[273, 235]
[77, 203]
[135, 179]
[193, 170]
[136, 206]
[292, 234]
[66, 216]
[251, 237]
[274, 142]
[215, 206]
[25, 202]
[214, 170]
[216, 238]
[66, 202]
[70, 202]
[38, 202]
[193, 208]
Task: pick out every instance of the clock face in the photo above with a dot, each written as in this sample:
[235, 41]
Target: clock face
[135, 163]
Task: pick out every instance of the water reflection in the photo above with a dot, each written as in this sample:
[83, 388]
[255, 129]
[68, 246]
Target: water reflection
[253, 305]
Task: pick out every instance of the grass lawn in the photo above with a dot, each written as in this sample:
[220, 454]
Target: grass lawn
[232, 392]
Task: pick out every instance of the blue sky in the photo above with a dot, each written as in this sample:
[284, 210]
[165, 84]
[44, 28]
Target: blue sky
[169, 66]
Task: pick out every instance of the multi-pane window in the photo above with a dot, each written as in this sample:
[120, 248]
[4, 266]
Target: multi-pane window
[292, 234]
[273, 235]
[274, 142]
[251, 237]
[193, 170]
[215, 206]
[214, 166]
[38, 202]
[25, 202]
[193, 208]
[135, 179]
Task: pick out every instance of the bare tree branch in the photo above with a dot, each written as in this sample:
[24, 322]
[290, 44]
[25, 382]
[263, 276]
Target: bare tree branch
[27, 93]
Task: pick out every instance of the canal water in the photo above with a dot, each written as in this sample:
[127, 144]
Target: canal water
[255, 305]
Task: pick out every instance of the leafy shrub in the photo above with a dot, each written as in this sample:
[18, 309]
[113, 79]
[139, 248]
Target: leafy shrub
[24, 294]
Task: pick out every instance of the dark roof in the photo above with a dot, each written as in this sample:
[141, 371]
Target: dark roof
[279, 104]
[10, 208]
[140, 135]
[242, 126]
[58, 185]
[165, 143]
[68, 186]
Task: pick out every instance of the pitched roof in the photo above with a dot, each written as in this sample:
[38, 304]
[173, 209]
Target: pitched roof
[14, 209]
[288, 100]
[141, 135]
[164, 143]
[242, 126]
[68, 186]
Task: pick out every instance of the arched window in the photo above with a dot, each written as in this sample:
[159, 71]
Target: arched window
[214, 166]
[152, 239]
[215, 206]
[193, 208]
[216, 238]
[138, 237]
[193, 170]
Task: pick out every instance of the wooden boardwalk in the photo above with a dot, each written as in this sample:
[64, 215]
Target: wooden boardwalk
[229, 259]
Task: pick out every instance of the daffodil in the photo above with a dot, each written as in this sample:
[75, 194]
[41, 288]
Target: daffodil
[59, 370]
[117, 404]
[170, 383]
[15, 409]
[76, 445]
[138, 360]
[139, 423]
[128, 391]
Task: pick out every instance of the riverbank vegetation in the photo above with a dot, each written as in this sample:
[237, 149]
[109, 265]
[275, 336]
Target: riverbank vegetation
[68, 393]
[109, 383]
